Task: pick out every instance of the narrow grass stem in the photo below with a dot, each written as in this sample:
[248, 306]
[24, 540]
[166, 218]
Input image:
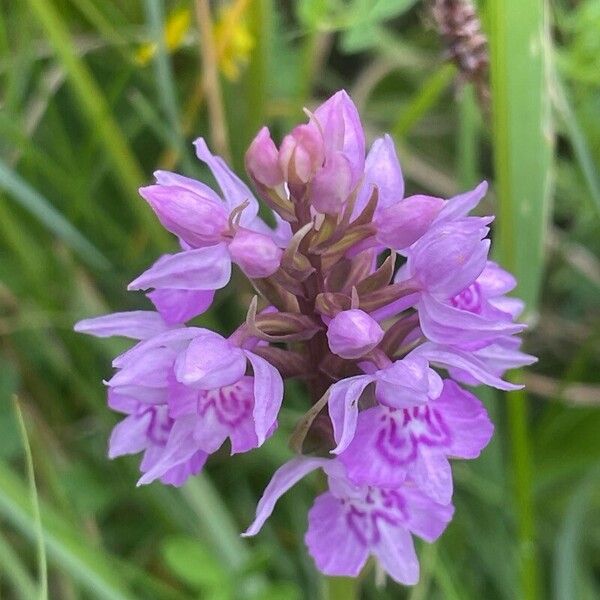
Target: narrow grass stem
[212, 84]
[35, 506]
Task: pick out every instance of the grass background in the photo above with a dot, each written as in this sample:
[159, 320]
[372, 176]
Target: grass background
[95, 95]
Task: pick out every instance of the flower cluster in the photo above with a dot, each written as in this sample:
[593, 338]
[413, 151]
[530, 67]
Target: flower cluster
[382, 304]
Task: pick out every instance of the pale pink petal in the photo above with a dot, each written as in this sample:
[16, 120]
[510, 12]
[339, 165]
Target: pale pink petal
[201, 269]
[343, 408]
[235, 191]
[179, 306]
[284, 478]
[396, 553]
[135, 324]
[333, 546]
[268, 394]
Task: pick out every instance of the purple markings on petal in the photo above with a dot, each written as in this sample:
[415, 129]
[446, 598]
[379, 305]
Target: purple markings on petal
[330, 541]
[391, 445]
[346, 525]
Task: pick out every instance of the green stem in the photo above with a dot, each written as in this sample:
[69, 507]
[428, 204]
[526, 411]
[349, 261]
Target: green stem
[35, 506]
[425, 100]
[467, 167]
[522, 462]
[342, 588]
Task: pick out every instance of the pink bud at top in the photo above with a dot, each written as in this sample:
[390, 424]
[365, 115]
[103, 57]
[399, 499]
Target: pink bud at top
[332, 184]
[352, 333]
[343, 132]
[255, 253]
[197, 219]
[262, 160]
[401, 224]
[301, 154]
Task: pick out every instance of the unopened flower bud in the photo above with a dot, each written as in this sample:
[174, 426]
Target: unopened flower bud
[262, 160]
[198, 220]
[352, 333]
[301, 154]
[332, 184]
[255, 253]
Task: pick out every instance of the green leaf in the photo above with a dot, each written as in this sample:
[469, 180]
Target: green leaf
[523, 149]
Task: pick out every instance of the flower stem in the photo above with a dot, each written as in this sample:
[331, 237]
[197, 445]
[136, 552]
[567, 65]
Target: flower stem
[341, 588]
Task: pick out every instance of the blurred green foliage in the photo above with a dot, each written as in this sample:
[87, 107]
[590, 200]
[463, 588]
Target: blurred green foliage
[85, 119]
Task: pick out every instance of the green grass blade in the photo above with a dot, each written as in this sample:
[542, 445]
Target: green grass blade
[468, 137]
[14, 572]
[35, 506]
[567, 561]
[96, 110]
[165, 82]
[66, 548]
[523, 146]
[577, 138]
[523, 138]
[216, 521]
[36, 204]
[425, 100]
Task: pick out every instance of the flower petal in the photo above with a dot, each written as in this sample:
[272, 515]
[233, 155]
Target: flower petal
[467, 420]
[168, 178]
[454, 357]
[446, 324]
[331, 543]
[424, 517]
[210, 362]
[179, 306]
[343, 408]
[235, 191]
[461, 205]
[130, 435]
[268, 394]
[396, 553]
[180, 447]
[433, 475]
[284, 478]
[342, 130]
[382, 170]
[135, 324]
[380, 452]
[201, 269]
